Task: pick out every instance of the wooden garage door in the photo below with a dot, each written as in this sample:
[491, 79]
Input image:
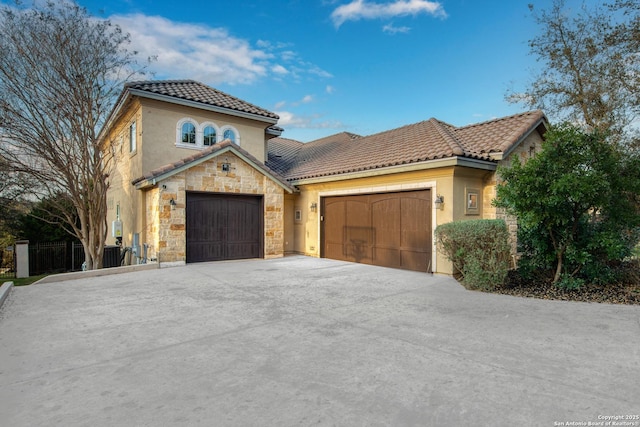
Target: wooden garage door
[390, 229]
[222, 227]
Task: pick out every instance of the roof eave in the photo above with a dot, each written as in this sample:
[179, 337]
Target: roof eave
[115, 113]
[410, 167]
[202, 106]
[274, 131]
[501, 155]
[153, 181]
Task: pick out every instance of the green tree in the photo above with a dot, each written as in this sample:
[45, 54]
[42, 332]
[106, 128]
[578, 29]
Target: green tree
[590, 67]
[44, 223]
[60, 73]
[576, 202]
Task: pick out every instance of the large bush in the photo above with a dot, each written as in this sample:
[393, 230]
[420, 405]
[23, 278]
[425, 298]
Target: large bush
[577, 203]
[478, 249]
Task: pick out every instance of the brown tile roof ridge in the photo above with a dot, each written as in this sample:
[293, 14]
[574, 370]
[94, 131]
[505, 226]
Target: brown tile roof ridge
[192, 90]
[336, 137]
[448, 136]
[532, 113]
[206, 152]
[498, 135]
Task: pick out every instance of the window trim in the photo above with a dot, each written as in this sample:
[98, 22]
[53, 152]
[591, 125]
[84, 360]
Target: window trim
[133, 137]
[179, 126]
[200, 127]
[225, 128]
[215, 127]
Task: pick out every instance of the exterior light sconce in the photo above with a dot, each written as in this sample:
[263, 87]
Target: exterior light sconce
[172, 203]
[226, 166]
[314, 207]
[439, 202]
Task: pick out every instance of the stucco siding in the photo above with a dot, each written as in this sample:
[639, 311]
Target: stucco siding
[122, 196]
[161, 121]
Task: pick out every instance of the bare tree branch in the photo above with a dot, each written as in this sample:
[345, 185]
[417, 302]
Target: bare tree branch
[60, 73]
[590, 65]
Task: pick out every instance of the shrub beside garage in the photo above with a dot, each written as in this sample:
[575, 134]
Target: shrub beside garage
[479, 250]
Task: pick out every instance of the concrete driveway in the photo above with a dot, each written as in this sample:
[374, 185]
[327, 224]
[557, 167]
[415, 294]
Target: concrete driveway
[301, 341]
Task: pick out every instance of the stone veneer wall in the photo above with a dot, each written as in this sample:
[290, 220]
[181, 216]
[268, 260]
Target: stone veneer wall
[524, 151]
[209, 177]
[151, 236]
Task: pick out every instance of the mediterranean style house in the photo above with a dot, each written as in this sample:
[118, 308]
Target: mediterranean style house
[204, 176]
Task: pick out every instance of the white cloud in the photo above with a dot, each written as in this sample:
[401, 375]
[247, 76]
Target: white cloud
[330, 89]
[280, 105]
[279, 69]
[362, 9]
[210, 55]
[193, 51]
[389, 28]
[307, 99]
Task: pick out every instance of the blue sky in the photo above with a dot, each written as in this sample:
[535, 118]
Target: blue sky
[327, 66]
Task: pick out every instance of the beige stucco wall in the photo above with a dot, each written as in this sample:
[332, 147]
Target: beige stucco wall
[122, 195]
[160, 121]
[209, 177]
[156, 124]
[290, 223]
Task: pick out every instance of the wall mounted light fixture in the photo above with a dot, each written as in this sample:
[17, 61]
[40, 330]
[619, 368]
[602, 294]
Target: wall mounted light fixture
[314, 207]
[439, 202]
[172, 203]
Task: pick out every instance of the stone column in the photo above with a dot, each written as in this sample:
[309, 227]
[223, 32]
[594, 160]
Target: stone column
[22, 259]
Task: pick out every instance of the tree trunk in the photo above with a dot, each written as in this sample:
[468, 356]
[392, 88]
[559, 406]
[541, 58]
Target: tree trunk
[559, 256]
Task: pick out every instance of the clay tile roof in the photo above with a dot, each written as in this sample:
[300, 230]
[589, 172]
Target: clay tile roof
[282, 153]
[428, 140]
[498, 135]
[191, 90]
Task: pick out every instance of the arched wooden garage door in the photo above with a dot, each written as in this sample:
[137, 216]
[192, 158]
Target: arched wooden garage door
[223, 227]
[389, 229]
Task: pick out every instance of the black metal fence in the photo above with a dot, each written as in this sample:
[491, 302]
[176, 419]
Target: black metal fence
[47, 258]
[60, 257]
[8, 262]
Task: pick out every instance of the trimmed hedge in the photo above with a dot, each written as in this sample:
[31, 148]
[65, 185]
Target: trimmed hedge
[479, 250]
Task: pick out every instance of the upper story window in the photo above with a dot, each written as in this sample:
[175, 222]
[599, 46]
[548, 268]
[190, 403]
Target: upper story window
[188, 133]
[191, 134]
[209, 135]
[229, 134]
[132, 137]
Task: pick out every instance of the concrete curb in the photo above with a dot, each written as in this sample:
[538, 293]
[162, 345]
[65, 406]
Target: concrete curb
[5, 290]
[63, 277]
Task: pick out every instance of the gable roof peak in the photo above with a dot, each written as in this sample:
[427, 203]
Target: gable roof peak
[191, 91]
[528, 115]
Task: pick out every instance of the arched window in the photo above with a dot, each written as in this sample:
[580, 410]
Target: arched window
[209, 135]
[230, 134]
[188, 133]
